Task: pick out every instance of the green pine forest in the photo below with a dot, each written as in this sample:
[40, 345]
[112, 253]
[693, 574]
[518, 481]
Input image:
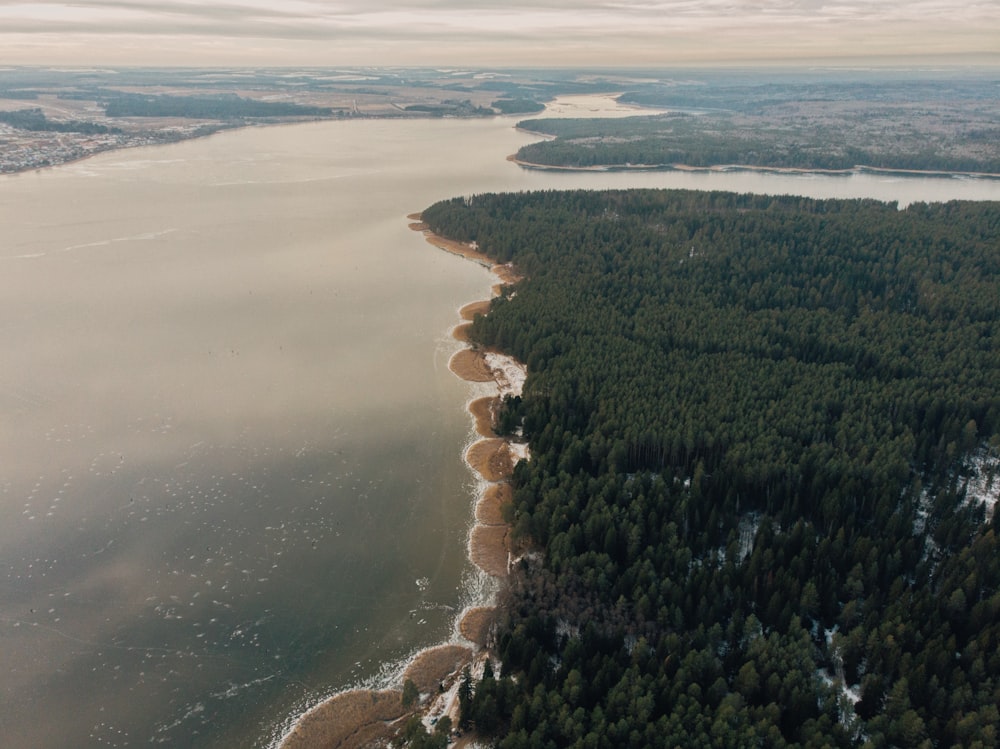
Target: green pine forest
[708, 140]
[760, 431]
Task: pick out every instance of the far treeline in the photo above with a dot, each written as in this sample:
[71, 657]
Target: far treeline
[715, 139]
[34, 120]
[927, 122]
[517, 106]
[761, 429]
[222, 107]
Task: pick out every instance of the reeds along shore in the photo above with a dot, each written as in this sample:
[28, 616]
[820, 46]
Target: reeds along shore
[362, 717]
[491, 457]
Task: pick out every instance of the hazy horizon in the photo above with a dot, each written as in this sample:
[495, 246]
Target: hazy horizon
[547, 33]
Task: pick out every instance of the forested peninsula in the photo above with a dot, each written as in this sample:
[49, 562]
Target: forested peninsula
[713, 140]
[764, 438]
[788, 123]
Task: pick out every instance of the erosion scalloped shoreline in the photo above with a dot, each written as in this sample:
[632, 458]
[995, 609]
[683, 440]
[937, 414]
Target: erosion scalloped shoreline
[367, 717]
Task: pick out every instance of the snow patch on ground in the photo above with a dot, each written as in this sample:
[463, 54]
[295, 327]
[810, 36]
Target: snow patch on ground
[922, 513]
[983, 484]
[848, 696]
[519, 450]
[852, 693]
[510, 374]
[564, 628]
[445, 703]
[749, 524]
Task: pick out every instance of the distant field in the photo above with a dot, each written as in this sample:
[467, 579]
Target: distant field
[130, 107]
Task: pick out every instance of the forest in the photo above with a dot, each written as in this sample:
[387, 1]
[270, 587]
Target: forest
[33, 119]
[718, 139]
[517, 106]
[765, 439]
[451, 108]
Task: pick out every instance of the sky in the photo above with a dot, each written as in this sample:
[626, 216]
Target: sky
[486, 33]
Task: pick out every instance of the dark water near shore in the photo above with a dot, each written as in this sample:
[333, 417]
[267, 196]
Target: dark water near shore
[230, 447]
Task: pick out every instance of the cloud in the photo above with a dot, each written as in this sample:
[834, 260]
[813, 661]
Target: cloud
[516, 32]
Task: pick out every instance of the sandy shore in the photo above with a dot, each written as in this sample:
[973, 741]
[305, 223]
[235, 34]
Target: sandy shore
[434, 666]
[489, 508]
[469, 311]
[491, 458]
[362, 717]
[489, 549]
[505, 272]
[482, 410]
[468, 314]
[470, 364]
[475, 625]
[351, 719]
[461, 332]
[449, 245]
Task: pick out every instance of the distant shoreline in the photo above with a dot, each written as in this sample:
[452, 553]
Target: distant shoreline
[106, 148]
[722, 168]
[176, 137]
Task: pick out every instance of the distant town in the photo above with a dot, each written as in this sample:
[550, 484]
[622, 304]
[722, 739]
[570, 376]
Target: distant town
[50, 117]
[24, 150]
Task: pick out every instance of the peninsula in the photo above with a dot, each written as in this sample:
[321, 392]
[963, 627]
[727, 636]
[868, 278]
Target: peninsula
[836, 124]
[761, 502]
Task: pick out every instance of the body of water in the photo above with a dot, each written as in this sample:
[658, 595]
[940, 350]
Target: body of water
[230, 448]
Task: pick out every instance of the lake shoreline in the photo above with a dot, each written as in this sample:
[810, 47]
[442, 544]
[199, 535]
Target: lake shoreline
[356, 717]
[723, 168]
[153, 139]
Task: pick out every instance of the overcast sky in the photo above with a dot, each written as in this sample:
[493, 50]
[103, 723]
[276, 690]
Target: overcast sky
[493, 33]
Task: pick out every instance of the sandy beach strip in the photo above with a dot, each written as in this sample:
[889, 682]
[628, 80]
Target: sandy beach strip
[434, 666]
[449, 245]
[348, 720]
[476, 624]
[505, 271]
[362, 717]
[489, 549]
[491, 458]
[470, 364]
[482, 410]
[461, 332]
[469, 311]
[489, 508]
